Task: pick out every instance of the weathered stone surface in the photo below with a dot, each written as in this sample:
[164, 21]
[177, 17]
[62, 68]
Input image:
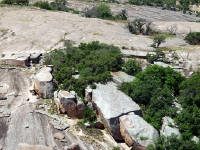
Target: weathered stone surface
[169, 127]
[43, 83]
[120, 77]
[33, 147]
[59, 136]
[175, 27]
[111, 104]
[19, 59]
[135, 130]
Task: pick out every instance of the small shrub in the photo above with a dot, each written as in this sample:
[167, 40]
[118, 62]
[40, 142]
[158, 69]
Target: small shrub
[135, 2]
[132, 67]
[59, 5]
[158, 39]
[43, 5]
[102, 11]
[89, 115]
[136, 27]
[193, 38]
[116, 148]
[123, 14]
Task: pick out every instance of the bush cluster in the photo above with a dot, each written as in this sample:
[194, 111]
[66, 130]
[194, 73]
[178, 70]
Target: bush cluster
[103, 11]
[59, 5]
[193, 38]
[92, 62]
[132, 67]
[154, 89]
[15, 2]
[188, 119]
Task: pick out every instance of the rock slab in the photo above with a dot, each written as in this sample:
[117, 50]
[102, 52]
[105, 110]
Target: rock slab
[110, 104]
[135, 130]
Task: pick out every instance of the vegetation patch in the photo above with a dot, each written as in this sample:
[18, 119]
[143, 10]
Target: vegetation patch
[193, 38]
[103, 11]
[154, 89]
[132, 67]
[139, 26]
[174, 143]
[92, 62]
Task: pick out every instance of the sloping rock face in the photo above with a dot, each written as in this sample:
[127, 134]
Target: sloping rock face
[120, 77]
[175, 27]
[111, 104]
[135, 130]
[169, 128]
[43, 83]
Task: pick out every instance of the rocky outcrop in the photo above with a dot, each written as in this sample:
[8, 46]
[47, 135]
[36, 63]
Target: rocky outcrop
[43, 83]
[120, 77]
[136, 131]
[111, 104]
[169, 127]
[175, 27]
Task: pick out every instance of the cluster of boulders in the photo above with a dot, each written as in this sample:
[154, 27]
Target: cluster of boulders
[122, 116]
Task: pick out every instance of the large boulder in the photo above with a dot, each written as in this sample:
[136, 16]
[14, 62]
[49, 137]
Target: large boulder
[22, 146]
[110, 104]
[43, 83]
[135, 130]
[175, 27]
[67, 103]
[169, 128]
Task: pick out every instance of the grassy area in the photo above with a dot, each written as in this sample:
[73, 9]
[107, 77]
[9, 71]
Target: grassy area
[166, 35]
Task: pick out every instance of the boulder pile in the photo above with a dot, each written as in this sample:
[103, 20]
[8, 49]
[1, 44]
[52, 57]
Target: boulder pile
[122, 116]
